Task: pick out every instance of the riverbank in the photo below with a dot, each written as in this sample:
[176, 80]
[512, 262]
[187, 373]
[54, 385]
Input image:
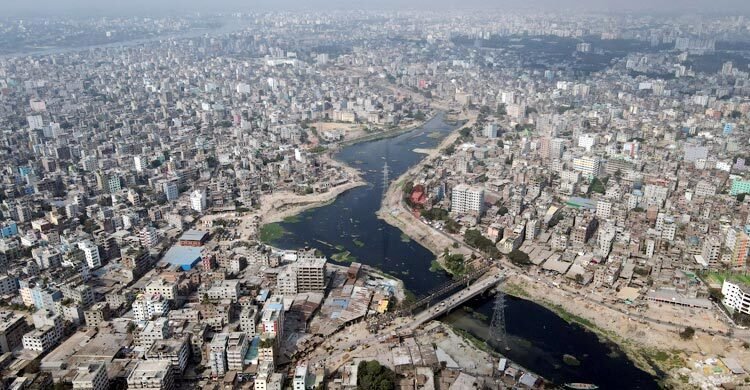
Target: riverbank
[654, 348]
[393, 212]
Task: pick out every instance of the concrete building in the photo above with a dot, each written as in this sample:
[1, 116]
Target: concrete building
[466, 199]
[97, 314]
[217, 355]
[146, 306]
[175, 350]
[736, 296]
[12, 328]
[92, 376]
[152, 375]
[249, 319]
[198, 201]
[91, 252]
[237, 346]
[310, 272]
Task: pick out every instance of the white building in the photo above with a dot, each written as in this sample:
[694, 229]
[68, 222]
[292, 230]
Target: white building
[92, 376]
[147, 306]
[171, 191]
[736, 296]
[249, 320]
[217, 357]
[198, 200]
[466, 199]
[588, 165]
[152, 375]
[91, 252]
[300, 377]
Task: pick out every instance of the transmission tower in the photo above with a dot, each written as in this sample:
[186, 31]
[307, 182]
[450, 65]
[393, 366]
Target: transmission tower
[386, 179]
[496, 332]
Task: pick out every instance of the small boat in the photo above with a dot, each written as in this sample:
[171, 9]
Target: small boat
[581, 386]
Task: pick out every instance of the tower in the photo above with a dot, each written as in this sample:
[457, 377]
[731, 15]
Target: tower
[496, 331]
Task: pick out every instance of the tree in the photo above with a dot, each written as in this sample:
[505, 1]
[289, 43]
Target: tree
[687, 333]
[371, 375]
[519, 257]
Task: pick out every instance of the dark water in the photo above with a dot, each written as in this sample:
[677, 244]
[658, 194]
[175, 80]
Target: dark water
[352, 216]
[538, 337]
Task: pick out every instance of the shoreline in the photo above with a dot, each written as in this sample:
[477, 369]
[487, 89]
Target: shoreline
[654, 348]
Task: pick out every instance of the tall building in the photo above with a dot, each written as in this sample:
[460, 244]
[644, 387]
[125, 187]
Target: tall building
[739, 186]
[740, 249]
[311, 272]
[272, 317]
[198, 200]
[466, 199]
[12, 328]
[91, 376]
[91, 253]
[736, 296]
[152, 375]
[146, 306]
[237, 346]
[590, 166]
[171, 190]
[300, 377]
[148, 237]
[249, 320]
[217, 355]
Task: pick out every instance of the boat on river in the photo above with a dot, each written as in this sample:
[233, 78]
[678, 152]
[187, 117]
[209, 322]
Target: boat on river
[581, 386]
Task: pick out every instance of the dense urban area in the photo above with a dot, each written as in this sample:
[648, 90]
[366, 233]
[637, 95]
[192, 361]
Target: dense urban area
[595, 165]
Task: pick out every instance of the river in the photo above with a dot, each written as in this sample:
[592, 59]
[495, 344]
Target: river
[538, 338]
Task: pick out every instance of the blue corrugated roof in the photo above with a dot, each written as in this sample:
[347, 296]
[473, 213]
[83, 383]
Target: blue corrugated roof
[184, 256]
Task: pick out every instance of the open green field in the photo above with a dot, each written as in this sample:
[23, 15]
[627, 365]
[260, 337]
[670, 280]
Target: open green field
[717, 278]
[271, 232]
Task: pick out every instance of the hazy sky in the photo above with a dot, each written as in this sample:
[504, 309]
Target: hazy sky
[144, 7]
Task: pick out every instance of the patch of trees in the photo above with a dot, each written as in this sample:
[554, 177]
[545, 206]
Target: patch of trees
[474, 238]
[519, 258]
[371, 375]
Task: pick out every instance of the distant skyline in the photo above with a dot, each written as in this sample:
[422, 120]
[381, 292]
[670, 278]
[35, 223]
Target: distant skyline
[161, 7]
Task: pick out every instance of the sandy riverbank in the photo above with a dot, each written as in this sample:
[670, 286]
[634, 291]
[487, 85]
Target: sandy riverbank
[395, 214]
[655, 348]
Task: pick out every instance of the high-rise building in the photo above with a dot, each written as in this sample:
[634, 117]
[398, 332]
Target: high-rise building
[198, 200]
[590, 166]
[217, 356]
[736, 296]
[147, 306]
[237, 346]
[311, 272]
[91, 376]
[466, 199]
[171, 190]
[91, 253]
[249, 320]
[740, 249]
[152, 375]
[12, 328]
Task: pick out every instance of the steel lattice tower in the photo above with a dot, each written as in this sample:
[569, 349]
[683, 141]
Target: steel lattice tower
[386, 178]
[496, 331]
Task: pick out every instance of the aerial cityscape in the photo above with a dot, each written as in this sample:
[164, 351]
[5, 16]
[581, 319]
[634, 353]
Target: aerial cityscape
[343, 197]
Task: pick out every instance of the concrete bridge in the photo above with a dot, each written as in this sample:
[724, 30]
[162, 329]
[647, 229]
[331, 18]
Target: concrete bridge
[486, 282]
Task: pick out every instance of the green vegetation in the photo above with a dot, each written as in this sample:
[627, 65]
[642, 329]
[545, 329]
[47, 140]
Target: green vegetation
[435, 266]
[293, 219]
[371, 375]
[358, 243]
[596, 186]
[344, 257]
[271, 232]
[405, 238]
[718, 278]
[519, 258]
[318, 149]
[435, 214]
[474, 238]
[454, 263]
[687, 333]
